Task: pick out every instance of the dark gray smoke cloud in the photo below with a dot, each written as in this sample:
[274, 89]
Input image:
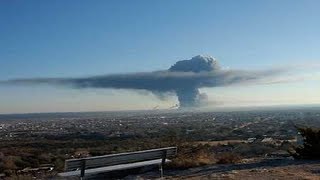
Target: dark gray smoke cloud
[184, 78]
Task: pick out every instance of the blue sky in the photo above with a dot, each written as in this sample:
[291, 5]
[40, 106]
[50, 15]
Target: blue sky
[71, 39]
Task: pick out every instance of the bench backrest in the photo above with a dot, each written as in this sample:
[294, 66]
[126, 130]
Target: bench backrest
[122, 158]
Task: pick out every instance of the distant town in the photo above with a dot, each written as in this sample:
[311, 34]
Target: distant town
[38, 144]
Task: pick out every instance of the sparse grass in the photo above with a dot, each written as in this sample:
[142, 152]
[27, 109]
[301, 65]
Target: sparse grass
[193, 156]
[228, 158]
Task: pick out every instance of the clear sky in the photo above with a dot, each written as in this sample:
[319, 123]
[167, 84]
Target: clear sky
[79, 38]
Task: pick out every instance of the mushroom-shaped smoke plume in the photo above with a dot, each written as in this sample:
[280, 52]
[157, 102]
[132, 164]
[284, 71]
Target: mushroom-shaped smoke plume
[183, 78]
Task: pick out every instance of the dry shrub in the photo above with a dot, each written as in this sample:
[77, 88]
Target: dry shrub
[193, 156]
[228, 158]
[311, 144]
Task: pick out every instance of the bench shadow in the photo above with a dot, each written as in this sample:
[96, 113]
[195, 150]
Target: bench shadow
[268, 163]
[126, 174]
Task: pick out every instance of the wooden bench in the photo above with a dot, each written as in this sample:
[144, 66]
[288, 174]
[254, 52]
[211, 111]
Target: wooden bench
[115, 162]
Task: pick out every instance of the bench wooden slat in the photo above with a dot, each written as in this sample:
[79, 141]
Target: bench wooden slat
[122, 158]
[125, 159]
[119, 161]
[113, 168]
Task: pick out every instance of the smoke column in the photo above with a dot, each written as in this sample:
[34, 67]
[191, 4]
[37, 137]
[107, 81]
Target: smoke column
[190, 96]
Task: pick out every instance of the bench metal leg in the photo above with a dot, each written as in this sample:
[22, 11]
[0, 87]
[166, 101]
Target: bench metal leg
[83, 168]
[163, 161]
[161, 170]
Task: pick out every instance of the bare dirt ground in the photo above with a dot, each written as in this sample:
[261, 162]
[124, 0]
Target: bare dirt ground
[263, 169]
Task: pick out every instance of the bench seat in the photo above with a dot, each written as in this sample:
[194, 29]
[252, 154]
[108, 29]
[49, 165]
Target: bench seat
[113, 168]
[116, 162]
